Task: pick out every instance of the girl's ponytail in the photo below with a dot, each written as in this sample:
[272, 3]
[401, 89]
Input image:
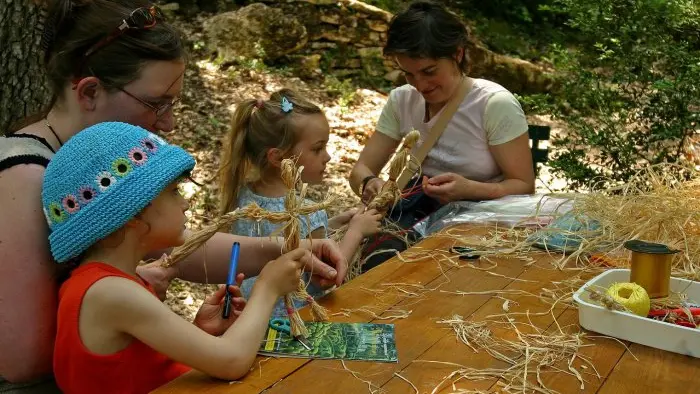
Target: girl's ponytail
[234, 160]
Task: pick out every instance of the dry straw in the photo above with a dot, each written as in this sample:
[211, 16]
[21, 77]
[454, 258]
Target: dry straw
[387, 198]
[291, 220]
[526, 357]
[658, 205]
[390, 194]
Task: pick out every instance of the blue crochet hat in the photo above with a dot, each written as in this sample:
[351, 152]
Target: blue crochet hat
[100, 179]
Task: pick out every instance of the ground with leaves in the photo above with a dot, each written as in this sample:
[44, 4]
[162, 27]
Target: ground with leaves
[209, 98]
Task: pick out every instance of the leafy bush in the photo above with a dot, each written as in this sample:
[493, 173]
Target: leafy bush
[344, 91]
[630, 94]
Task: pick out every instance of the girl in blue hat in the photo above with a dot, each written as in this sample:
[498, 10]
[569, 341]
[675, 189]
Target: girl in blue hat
[108, 205]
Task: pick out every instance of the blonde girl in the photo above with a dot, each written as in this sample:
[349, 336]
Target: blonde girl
[263, 133]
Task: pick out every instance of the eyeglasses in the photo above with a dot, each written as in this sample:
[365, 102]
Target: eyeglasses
[140, 19]
[159, 110]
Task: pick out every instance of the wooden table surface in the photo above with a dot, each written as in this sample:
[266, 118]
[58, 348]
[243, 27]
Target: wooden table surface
[419, 337]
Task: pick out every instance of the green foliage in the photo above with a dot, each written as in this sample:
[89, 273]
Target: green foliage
[253, 64]
[523, 28]
[344, 91]
[630, 95]
[512, 11]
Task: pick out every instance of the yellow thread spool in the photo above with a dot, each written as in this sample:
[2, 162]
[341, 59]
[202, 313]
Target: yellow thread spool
[651, 266]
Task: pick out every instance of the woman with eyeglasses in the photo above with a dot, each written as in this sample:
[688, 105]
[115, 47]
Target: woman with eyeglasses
[106, 60]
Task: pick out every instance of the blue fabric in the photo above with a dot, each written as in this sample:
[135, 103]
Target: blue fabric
[100, 179]
[264, 228]
[566, 233]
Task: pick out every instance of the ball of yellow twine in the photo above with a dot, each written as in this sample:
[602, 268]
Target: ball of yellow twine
[632, 296]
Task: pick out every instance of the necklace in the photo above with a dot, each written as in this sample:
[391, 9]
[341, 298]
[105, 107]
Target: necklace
[60, 143]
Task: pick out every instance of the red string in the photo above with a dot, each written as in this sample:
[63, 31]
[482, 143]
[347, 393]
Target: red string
[410, 194]
[412, 191]
[404, 194]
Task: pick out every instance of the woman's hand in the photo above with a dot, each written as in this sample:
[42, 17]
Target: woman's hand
[209, 315]
[327, 265]
[281, 276]
[447, 187]
[158, 276]
[372, 188]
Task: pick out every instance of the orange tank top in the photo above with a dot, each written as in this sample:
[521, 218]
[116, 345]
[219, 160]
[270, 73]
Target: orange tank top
[134, 369]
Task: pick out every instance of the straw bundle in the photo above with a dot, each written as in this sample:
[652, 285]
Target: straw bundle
[293, 204]
[387, 198]
[390, 194]
[659, 205]
[294, 209]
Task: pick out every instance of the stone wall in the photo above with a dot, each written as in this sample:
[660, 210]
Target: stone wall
[345, 37]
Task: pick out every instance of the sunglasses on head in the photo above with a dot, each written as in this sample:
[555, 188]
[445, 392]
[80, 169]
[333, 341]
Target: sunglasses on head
[140, 19]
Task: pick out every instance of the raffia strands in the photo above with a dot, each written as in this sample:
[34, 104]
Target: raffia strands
[387, 197]
[199, 238]
[296, 192]
[296, 324]
[252, 212]
[291, 219]
[526, 357]
[403, 155]
[390, 194]
[659, 205]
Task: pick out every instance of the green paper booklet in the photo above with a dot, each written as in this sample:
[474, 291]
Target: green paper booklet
[347, 341]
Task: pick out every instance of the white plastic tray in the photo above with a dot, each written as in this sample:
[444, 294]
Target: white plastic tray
[626, 326]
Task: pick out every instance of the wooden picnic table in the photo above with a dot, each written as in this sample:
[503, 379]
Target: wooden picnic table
[419, 337]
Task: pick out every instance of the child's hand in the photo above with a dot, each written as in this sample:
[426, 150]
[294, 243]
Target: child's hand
[282, 275]
[209, 315]
[366, 223]
[341, 219]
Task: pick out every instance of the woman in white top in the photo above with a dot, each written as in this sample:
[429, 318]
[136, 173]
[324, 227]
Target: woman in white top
[483, 152]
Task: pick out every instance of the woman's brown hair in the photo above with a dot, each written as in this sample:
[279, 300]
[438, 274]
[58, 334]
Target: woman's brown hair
[428, 30]
[72, 27]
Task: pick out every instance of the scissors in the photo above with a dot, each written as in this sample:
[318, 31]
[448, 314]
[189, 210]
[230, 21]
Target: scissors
[465, 253]
[282, 325]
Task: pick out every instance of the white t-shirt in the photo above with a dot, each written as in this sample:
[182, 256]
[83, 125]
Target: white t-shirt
[488, 115]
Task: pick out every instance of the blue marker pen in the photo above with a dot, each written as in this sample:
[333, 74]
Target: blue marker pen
[231, 280]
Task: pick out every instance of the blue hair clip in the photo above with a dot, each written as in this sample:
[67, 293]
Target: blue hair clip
[287, 106]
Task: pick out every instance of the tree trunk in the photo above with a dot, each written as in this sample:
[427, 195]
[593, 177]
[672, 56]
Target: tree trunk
[23, 87]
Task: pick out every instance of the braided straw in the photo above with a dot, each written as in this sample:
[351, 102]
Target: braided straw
[197, 239]
[291, 217]
[291, 176]
[390, 194]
